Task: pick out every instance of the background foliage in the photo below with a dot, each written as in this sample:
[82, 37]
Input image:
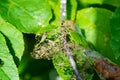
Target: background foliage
[22, 20]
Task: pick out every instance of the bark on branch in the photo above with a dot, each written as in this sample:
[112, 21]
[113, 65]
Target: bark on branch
[69, 52]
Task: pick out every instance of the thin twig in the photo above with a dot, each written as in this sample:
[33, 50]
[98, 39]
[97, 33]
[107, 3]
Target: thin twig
[69, 53]
[63, 9]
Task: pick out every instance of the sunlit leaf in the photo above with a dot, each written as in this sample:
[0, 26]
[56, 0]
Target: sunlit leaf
[55, 5]
[110, 2]
[95, 24]
[27, 15]
[8, 70]
[14, 38]
[71, 9]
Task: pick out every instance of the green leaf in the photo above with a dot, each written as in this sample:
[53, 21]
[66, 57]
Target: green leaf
[55, 5]
[27, 15]
[74, 36]
[110, 2]
[95, 23]
[78, 37]
[65, 70]
[14, 38]
[71, 9]
[8, 70]
[115, 33]
[63, 66]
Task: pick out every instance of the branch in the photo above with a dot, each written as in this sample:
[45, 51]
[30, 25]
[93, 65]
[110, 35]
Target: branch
[68, 52]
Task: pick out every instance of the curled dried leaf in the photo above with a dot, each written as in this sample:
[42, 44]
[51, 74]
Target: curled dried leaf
[107, 69]
[45, 47]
